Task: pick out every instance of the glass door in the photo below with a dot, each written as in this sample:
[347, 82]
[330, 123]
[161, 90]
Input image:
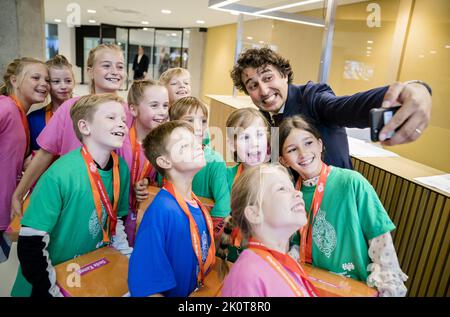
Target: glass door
[168, 50]
[143, 38]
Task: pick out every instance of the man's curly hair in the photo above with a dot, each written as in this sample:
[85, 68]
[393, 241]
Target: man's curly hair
[256, 58]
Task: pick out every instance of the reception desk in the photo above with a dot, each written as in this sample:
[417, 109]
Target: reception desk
[421, 215]
[420, 212]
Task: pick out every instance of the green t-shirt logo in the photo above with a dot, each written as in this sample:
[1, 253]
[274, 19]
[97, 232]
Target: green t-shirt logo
[324, 235]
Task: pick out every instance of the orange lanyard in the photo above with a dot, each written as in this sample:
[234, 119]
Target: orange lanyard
[281, 263]
[236, 234]
[306, 230]
[135, 164]
[238, 172]
[195, 235]
[99, 192]
[23, 117]
[48, 113]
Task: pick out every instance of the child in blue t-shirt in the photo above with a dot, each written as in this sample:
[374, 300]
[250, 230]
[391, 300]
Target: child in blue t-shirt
[173, 250]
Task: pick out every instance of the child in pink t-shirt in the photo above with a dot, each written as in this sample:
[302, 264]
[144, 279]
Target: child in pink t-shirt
[26, 82]
[149, 105]
[268, 210]
[106, 68]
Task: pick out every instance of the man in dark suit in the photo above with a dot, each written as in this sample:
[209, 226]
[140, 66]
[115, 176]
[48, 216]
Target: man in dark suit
[140, 64]
[267, 78]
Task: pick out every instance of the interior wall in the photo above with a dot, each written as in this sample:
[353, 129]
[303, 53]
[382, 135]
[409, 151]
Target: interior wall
[427, 57]
[351, 69]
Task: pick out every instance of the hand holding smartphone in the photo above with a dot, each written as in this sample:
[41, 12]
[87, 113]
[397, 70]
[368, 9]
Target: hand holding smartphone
[379, 117]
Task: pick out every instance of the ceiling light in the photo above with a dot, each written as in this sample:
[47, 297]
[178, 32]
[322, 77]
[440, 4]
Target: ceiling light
[421, 56]
[145, 22]
[261, 42]
[447, 46]
[224, 6]
[249, 38]
[287, 6]
[369, 47]
[92, 21]
[223, 3]
[432, 52]
[91, 11]
[165, 11]
[200, 22]
[370, 42]
[58, 20]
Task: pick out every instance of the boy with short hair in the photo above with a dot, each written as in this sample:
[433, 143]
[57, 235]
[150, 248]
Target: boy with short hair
[211, 181]
[174, 248]
[76, 205]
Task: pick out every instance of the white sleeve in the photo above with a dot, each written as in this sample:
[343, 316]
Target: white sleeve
[294, 252]
[386, 275]
[119, 240]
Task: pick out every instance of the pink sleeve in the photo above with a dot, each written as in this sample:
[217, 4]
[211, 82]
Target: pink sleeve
[12, 148]
[244, 279]
[60, 128]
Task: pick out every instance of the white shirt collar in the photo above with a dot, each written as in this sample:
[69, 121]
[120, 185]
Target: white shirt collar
[279, 111]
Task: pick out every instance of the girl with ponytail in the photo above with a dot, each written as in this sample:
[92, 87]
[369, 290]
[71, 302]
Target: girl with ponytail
[62, 82]
[106, 69]
[268, 210]
[25, 82]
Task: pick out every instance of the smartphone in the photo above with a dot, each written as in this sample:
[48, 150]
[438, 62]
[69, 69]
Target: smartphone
[379, 117]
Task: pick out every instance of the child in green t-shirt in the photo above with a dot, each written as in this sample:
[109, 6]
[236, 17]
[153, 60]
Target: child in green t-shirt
[248, 138]
[76, 205]
[348, 230]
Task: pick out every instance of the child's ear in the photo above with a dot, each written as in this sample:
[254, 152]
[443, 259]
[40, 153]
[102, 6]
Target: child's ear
[13, 81]
[90, 72]
[163, 162]
[230, 144]
[321, 145]
[283, 162]
[134, 111]
[84, 128]
[254, 215]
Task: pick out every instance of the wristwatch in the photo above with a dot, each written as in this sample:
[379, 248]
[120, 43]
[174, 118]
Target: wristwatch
[422, 83]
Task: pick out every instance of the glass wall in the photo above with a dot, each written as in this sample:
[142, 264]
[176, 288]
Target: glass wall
[51, 40]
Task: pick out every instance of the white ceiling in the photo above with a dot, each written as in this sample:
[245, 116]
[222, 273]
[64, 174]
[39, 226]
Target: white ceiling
[184, 14]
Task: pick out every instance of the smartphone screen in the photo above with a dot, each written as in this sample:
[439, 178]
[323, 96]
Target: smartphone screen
[379, 117]
[387, 116]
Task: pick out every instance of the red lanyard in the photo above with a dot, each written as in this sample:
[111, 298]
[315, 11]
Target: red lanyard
[23, 117]
[281, 263]
[48, 113]
[99, 192]
[195, 235]
[135, 164]
[306, 231]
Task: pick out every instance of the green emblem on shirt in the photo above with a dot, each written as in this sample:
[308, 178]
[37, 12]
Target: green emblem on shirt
[324, 235]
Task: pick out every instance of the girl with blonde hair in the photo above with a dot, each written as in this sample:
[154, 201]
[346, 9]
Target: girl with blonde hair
[25, 83]
[268, 210]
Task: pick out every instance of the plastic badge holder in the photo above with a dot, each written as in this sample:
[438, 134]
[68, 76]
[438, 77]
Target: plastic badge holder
[101, 273]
